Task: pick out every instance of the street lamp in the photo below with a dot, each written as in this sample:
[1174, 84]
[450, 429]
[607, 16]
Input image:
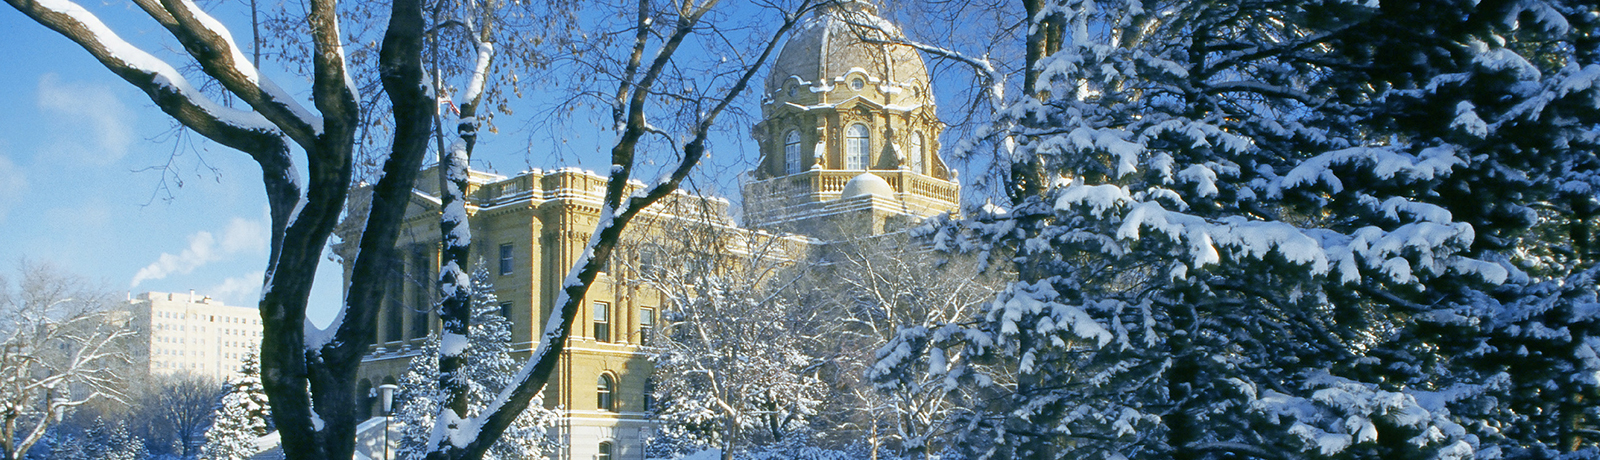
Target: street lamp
[386, 395]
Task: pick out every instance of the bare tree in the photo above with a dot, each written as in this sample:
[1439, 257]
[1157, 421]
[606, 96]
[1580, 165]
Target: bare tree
[172, 412]
[310, 374]
[298, 369]
[882, 286]
[58, 346]
[734, 342]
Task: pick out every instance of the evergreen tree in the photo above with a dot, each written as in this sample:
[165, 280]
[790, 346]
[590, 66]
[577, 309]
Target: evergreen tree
[490, 368]
[242, 415]
[121, 444]
[101, 441]
[62, 446]
[1249, 228]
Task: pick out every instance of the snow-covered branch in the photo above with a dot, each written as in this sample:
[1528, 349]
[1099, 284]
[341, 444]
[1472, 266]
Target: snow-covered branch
[170, 90]
[213, 47]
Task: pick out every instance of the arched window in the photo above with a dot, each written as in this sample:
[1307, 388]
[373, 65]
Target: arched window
[857, 143]
[791, 152]
[605, 451]
[917, 153]
[603, 391]
[649, 394]
[366, 396]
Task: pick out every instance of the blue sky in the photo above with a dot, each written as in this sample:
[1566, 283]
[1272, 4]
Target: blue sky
[96, 181]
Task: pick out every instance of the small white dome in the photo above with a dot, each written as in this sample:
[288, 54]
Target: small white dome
[867, 184]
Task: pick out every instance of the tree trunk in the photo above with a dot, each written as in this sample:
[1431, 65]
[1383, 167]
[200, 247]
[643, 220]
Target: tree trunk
[455, 305]
[1571, 411]
[1027, 175]
[1181, 429]
[1035, 46]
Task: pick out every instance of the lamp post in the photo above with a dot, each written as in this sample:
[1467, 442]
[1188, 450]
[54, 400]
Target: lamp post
[386, 395]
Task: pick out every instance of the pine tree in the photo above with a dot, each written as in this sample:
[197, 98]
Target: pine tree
[242, 415]
[102, 441]
[63, 446]
[490, 369]
[1249, 228]
[121, 444]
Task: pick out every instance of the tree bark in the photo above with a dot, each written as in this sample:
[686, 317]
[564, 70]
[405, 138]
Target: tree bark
[455, 234]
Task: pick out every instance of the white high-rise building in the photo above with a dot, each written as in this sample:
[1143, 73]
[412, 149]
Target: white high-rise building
[193, 334]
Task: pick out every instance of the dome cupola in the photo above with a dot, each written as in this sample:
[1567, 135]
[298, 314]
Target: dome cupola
[847, 113]
[847, 44]
[844, 94]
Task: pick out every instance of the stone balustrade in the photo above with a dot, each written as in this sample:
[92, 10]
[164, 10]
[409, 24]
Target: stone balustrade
[827, 184]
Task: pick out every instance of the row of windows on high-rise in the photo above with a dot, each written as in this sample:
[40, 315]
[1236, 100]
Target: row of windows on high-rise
[858, 148]
[211, 318]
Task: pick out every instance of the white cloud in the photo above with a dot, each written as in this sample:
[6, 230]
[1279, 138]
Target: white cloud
[200, 252]
[96, 113]
[244, 235]
[12, 185]
[241, 236]
[244, 291]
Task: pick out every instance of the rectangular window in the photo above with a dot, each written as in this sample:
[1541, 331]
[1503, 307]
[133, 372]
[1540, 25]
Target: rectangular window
[419, 324]
[423, 287]
[602, 322]
[649, 263]
[649, 394]
[394, 306]
[507, 259]
[647, 325]
[505, 310]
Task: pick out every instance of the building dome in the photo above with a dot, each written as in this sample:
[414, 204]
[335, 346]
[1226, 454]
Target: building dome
[832, 49]
[867, 184]
[844, 108]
